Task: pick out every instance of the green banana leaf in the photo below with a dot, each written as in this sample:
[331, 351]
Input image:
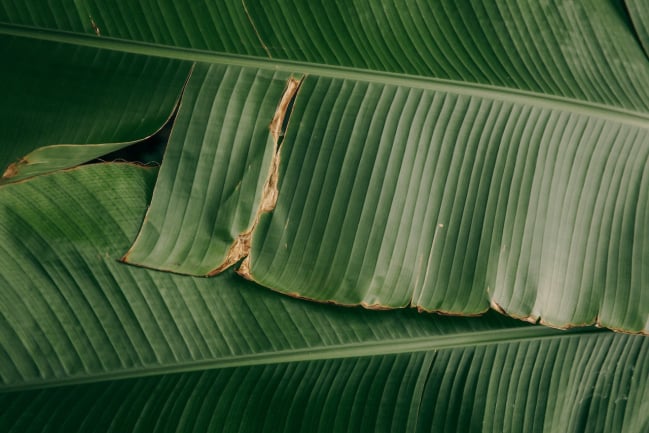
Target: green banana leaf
[446, 390]
[219, 187]
[639, 15]
[71, 312]
[539, 212]
[89, 343]
[64, 105]
[385, 201]
[583, 50]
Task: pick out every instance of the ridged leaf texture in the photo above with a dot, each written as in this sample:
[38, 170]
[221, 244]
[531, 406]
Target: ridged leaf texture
[450, 156]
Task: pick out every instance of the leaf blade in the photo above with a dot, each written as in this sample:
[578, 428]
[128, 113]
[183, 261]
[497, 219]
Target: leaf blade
[95, 96]
[416, 39]
[426, 390]
[392, 196]
[76, 315]
[214, 171]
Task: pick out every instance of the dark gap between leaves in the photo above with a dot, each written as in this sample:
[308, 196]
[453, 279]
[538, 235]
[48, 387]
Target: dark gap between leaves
[147, 152]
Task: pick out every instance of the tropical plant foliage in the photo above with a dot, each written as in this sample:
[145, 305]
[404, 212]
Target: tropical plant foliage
[446, 156]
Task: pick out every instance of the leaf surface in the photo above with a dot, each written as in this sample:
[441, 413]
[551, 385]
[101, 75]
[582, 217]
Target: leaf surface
[216, 165]
[396, 196]
[551, 199]
[562, 48]
[593, 383]
[87, 343]
[76, 314]
[64, 105]
[639, 15]
[196, 354]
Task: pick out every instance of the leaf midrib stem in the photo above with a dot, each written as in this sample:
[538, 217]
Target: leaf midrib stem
[351, 350]
[603, 111]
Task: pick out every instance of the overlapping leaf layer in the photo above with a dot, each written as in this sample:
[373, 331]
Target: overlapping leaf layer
[72, 312]
[396, 196]
[63, 105]
[446, 155]
[214, 171]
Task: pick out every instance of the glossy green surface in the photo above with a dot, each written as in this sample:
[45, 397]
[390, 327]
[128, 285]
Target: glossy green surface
[76, 314]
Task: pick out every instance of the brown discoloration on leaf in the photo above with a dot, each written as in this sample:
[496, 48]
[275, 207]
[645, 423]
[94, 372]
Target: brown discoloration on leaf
[497, 307]
[240, 248]
[11, 171]
[421, 309]
[270, 194]
[95, 27]
[244, 269]
[14, 168]
[282, 108]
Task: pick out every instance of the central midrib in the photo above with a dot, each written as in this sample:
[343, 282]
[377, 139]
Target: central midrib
[350, 350]
[625, 116]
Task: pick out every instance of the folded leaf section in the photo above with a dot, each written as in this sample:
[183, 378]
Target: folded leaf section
[212, 180]
[64, 105]
[393, 196]
[565, 384]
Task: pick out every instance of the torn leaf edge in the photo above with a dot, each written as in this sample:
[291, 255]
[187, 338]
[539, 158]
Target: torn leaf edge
[240, 248]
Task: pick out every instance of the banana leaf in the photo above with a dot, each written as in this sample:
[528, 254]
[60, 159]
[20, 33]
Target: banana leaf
[639, 16]
[91, 344]
[581, 50]
[551, 98]
[64, 104]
